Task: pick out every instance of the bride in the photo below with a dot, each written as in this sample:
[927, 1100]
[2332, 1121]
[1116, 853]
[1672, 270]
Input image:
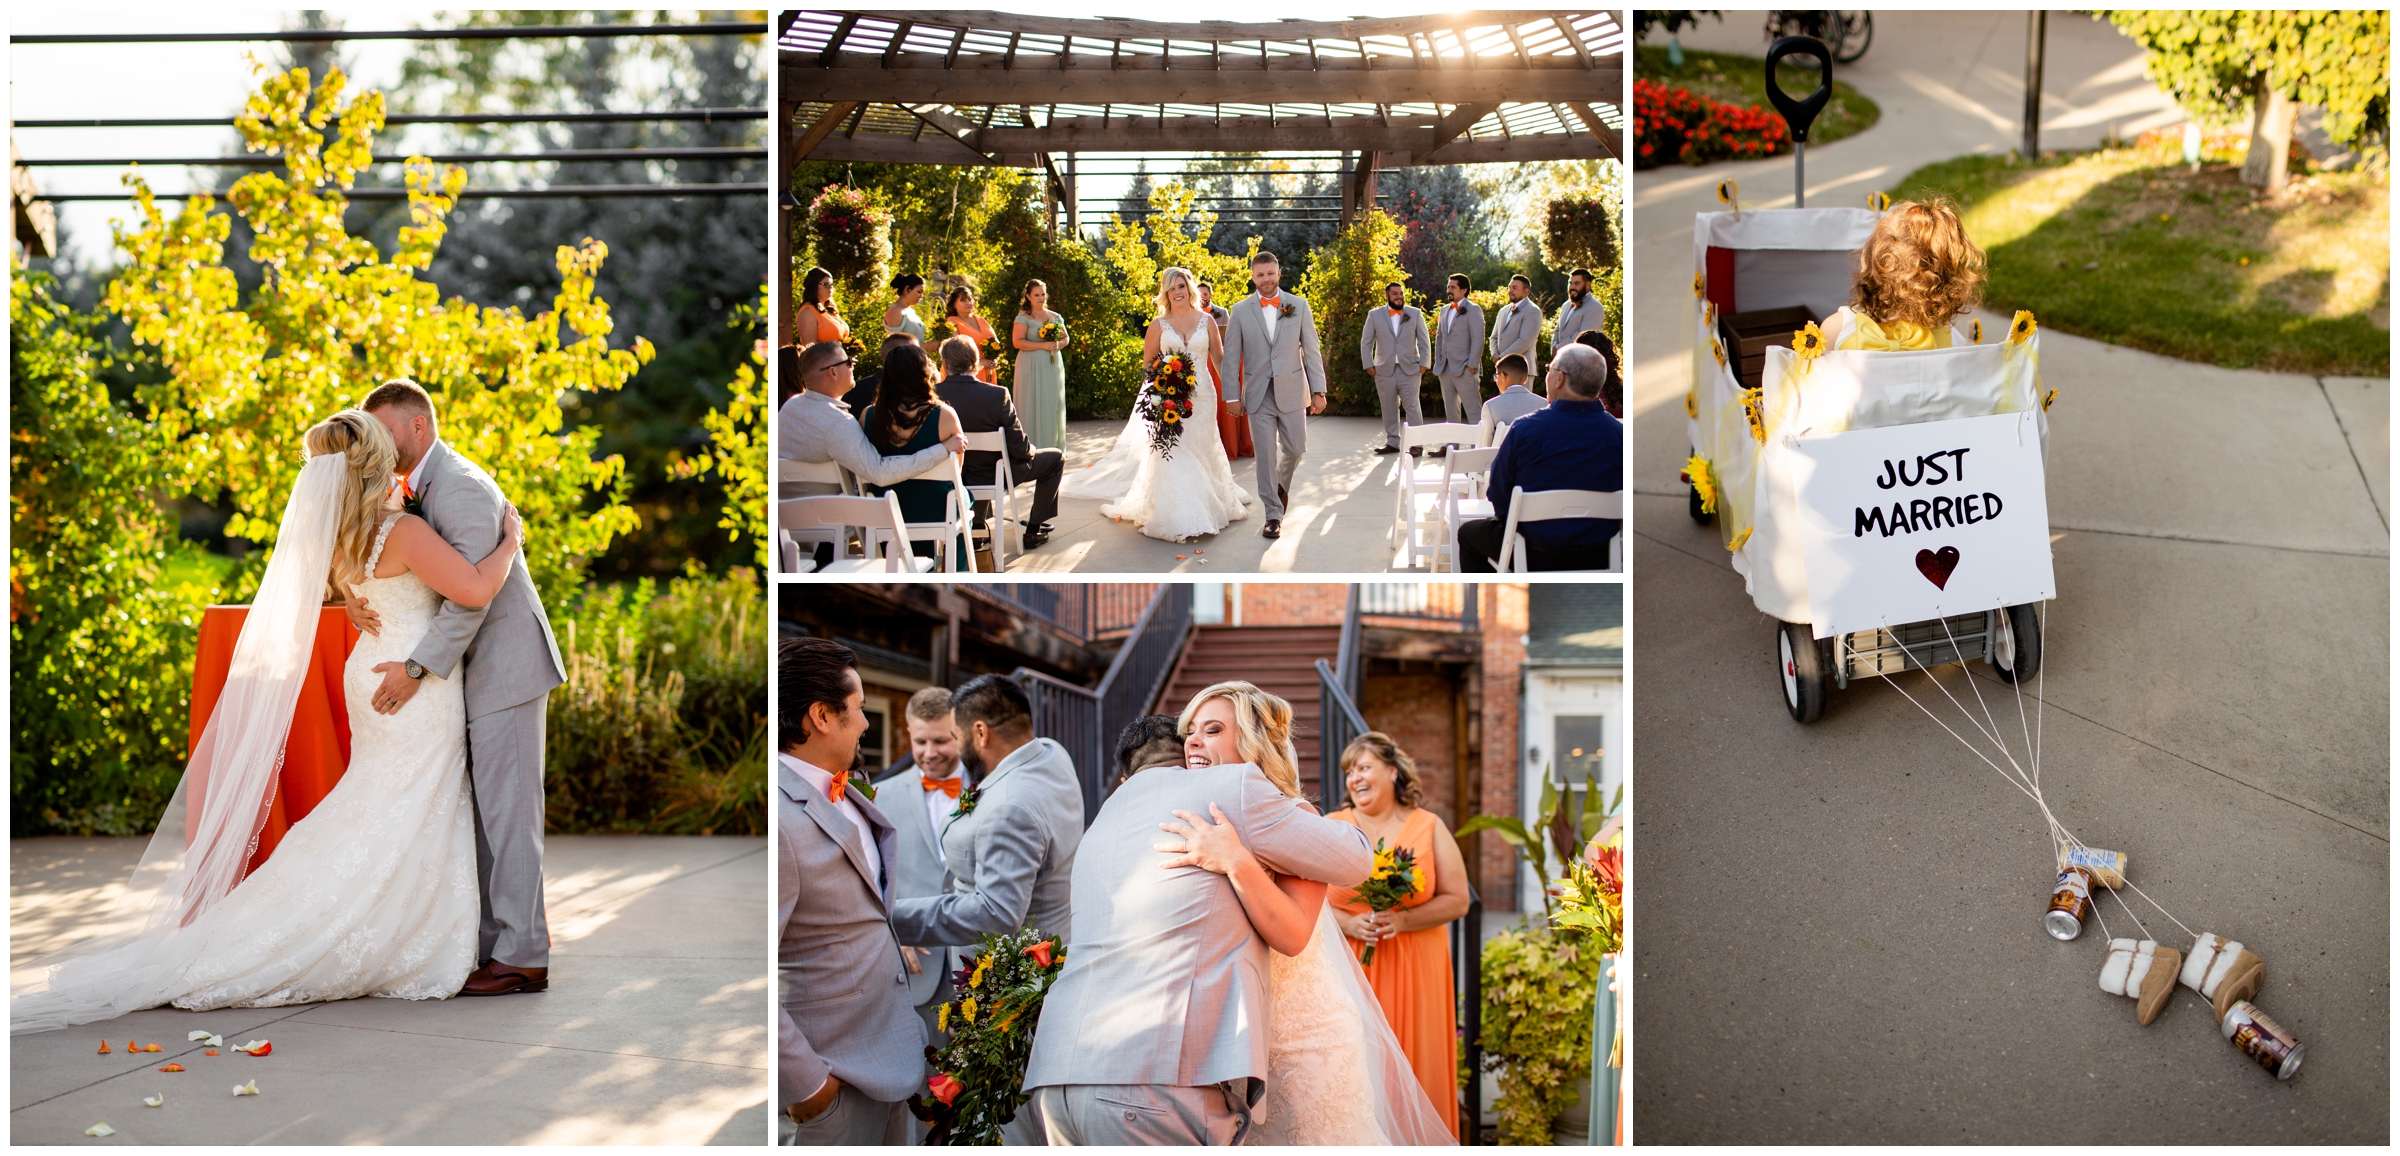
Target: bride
[1189, 490]
[373, 892]
[1335, 1071]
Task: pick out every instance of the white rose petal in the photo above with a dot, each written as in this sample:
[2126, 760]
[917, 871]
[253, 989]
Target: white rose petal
[154, 1101]
[197, 1036]
[249, 1089]
[99, 1130]
[252, 1046]
[216, 1041]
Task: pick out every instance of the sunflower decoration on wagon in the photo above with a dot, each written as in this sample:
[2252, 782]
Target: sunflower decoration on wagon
[1165, 403]
[995, 1002]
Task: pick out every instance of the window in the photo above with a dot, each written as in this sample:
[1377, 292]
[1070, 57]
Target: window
[1208, 603]
[1576, 752]
[874, 746]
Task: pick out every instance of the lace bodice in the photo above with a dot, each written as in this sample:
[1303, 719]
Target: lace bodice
[404, 602]
[1203, 334]
[1318, 1091]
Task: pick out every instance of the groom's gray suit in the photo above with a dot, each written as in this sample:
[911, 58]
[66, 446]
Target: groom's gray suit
[1156, 1030]
[1279, 374]
[507, 661]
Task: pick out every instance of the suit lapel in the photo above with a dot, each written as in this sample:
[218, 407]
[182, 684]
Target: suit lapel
[837, 827]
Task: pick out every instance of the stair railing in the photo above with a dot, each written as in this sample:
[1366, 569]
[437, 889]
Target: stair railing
[1338, 722]
[1086, 720]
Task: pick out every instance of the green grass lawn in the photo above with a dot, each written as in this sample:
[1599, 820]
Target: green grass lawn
[1742, 80]
[2132, 247]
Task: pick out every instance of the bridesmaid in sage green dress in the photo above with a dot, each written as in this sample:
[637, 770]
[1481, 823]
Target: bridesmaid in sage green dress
[902, 316]
[1041, 377]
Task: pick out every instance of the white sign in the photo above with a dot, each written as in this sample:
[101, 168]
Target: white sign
[1909, 522]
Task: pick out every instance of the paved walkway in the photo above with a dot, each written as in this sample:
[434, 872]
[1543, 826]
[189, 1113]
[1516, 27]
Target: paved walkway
[654, 1030]
[1838, 940]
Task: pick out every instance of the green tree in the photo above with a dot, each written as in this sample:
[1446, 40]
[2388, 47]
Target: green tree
[2262, 64]
[1345, 281]
[737, 447]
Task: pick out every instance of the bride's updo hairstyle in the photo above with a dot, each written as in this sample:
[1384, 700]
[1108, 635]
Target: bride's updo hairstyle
[368, 447]
[1262, 725]
[1167, 278]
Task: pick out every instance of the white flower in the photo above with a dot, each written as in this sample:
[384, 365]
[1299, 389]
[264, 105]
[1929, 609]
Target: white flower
[154, 1101]
[197, 1036]
[99, 1130]
[249, 1089]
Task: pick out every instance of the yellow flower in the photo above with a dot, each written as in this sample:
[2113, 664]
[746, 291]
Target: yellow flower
[2047, 399]
[976, 980]
[1739, 539]
[967, 1009]
[1718, 348]
[1753, 405]
[1704, 483]
[1975, 331]
[1809, 342]
[1699, 285]
[2022, 327]
[1416, 878]
[941, 1019]
[1727, 191]
[1169, 417]
[1691, 403]
[1879, 201]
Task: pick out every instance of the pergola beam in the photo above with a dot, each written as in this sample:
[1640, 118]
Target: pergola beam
[1137, 80]
[1608, 137]
[1401, 144]
[823, 128]
[1289, 31]
[1449, 128]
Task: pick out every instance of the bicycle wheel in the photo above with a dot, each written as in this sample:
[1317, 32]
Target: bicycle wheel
[1857, 31]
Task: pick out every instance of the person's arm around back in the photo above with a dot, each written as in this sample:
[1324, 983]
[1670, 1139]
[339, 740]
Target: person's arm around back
[848, 444]
[1291, 840]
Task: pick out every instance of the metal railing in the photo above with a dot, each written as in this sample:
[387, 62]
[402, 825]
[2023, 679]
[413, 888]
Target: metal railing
[1084, 610]
[1346, 664]
[1466, 968]
[1338, 722]
[1086, 721]
[1448, 602]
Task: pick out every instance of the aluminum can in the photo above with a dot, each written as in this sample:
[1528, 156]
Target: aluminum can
[2070, 904]
[2262, 1039]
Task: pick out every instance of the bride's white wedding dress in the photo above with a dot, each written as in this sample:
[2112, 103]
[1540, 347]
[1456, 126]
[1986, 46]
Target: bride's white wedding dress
[373, 893]
[1335, 1072]
[1188, 492]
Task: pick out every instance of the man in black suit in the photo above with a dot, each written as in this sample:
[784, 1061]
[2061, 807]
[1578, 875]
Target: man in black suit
[983, 408]
[862, 394]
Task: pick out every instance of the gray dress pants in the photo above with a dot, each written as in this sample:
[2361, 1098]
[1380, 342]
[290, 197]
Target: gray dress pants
[1145, 1114]
[504, 762]
[852, 1120]
[1403, 387]
[1462, 396]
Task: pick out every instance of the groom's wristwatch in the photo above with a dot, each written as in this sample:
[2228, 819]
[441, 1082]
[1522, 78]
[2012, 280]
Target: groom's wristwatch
[415, 669]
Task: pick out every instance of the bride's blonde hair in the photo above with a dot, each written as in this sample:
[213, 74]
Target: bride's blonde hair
[372, 458]
[1262, 730]
[1166, 280]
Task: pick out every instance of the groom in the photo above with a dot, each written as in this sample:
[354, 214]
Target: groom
[507, 660]
[1272, 338]
[1156, 1030]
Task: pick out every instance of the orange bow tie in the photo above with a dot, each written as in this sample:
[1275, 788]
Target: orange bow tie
[1395, 312]
[950, 786]
[841, 783]
[1269, 302]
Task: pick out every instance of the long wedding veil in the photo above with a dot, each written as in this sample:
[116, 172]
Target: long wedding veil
[211, 826]
[1403, 1112]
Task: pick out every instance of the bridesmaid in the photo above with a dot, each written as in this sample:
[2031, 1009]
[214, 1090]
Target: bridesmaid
[902, 316]
[959, 314]
[1041, 377]
[1232, 430]
[1411, 971]
[817, 318]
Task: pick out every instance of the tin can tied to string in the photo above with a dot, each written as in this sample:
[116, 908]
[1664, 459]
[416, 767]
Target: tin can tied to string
[2107, 867]
[2070, 904]
[2262, 1039]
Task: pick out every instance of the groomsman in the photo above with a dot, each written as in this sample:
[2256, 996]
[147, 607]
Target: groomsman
[1458, 354]
[1393, 346]
[1581, 311]
[1518, 328]
[920, 799]
[850, 1049]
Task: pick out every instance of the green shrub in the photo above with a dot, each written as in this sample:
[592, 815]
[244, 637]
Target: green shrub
[1538, 988]
[1345, 281]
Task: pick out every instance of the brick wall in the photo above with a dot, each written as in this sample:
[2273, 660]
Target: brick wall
[1503, 613]
[1294, 603]
[1416, 708]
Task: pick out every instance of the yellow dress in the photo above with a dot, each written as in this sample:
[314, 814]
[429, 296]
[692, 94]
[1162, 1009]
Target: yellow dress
[1860, 331]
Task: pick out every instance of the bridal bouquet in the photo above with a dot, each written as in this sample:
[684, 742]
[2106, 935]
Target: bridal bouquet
[1051, 331]
[1396, 877]
[995, 1002]
[1166, 401]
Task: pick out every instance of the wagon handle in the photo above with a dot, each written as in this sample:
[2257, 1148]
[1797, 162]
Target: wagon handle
[1799, 114]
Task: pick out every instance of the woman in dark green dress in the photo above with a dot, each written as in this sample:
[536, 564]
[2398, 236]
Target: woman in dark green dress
[907, 417]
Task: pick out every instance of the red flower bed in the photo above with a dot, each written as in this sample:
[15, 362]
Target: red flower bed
[1677, 125]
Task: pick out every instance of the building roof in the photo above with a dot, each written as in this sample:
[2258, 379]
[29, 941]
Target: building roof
[1575, 624]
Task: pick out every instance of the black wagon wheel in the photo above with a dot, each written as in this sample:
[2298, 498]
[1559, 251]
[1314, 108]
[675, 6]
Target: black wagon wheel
[1800, 666]
[1857, 31]
[2017, 652]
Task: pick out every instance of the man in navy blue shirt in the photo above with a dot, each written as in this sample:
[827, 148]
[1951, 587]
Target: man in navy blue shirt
[1570, 444]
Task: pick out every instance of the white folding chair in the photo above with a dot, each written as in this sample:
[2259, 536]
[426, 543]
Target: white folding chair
[883, 533]
[1001, 494]
[1462, 499]
[794, 472]
[1415, 525]
[1552, 505]
[957, 513]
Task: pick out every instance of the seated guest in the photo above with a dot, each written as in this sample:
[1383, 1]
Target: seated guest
[1149, 741]
[982, 408]
[1612, 391]
[1571, 444]
[1515, 400]
[787, 373]
[906, 418]
[814, 426]
[862, 395]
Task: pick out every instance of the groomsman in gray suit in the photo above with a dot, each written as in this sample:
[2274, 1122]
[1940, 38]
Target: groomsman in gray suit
[1518, 328]
[1581, 311]
[1458, 354]
[850, 1049]
[920, 801]
[505, 657]
[1156, 1030]
[1393, 346]
[1272, 338]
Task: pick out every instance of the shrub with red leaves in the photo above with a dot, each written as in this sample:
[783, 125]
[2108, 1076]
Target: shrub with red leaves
[1677, 125]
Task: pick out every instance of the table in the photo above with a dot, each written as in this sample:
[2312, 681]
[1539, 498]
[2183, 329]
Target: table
[318, 748]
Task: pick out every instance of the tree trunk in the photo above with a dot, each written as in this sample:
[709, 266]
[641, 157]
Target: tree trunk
[2272, 115]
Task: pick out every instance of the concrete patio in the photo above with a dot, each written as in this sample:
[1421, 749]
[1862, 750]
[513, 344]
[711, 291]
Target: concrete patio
[654, 1030]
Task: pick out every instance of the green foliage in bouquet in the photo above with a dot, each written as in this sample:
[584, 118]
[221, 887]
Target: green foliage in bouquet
[1345, 281]
[1538, 988]
[1564, 826]
[995, 1004]
[1395, 878]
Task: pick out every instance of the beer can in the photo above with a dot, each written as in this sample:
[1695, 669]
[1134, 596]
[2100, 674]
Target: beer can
[2070, 904]
[2262, 1039]
[2107, 867]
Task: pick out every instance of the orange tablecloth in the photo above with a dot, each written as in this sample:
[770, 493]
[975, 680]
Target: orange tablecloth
[318, 749]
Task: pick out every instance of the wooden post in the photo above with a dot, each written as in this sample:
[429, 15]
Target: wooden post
[780, 245]
[2037, 28]
[1074, 205]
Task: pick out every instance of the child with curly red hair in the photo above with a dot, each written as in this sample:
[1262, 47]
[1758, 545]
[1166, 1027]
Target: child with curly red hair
[1916, 274]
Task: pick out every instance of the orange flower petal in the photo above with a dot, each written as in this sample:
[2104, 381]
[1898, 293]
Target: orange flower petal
[104, 1047]
[209, 1052]
[172, 1068]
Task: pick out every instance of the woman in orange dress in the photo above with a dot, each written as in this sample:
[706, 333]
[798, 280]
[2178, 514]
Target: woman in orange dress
[959, 313]
[1411, 969]
[1232, 429]
[817, 318]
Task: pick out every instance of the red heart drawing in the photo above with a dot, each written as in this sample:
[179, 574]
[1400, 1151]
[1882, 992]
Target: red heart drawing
[1936, 567]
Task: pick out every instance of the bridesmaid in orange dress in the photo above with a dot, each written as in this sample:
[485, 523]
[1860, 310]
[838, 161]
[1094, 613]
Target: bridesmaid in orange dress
[817, 318]
[1411, 970]
[1233, 431]
[960, 313]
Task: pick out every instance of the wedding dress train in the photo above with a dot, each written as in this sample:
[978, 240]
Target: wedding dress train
[1190, 490]
[1335, 1071]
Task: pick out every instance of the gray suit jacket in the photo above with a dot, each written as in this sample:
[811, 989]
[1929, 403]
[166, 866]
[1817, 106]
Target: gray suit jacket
[506, 648]
[1458, 345]
[1518, 330]
[1382, 351]
[1277, 376]
[1573, 319]
[841, 1015]
[1166, 982]
[921, 874]
[1011, 857]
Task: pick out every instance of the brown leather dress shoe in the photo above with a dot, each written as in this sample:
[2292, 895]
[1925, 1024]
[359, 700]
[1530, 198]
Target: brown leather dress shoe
[1273, 528]
[497, 978]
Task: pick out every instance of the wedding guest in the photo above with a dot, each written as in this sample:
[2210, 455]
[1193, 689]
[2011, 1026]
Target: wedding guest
[1233, 430]
[920, 801]
[1411, 969]
[1582, 311]
[1394, 347]
[814, 426]
[958, 314]
[905, 419]
[983, 408]
[1152, 740]
[850, 1050]
[787, 373]
[1515, 400]
[1518, 328]
[1571, 444]
[902, 316]
[817, 318]
[1041, 376]
[1612, 391]
[862, 394]
[1458, 354]
[1917, 273]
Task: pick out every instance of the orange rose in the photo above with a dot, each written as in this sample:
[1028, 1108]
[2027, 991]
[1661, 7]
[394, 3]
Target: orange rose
[945, 1087]
[1040, 952]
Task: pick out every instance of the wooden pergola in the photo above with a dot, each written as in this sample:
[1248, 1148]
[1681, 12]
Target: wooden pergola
[994, 88]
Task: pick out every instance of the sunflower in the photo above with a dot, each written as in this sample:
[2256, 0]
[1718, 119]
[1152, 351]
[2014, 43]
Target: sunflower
[1691, 403]
[1699, 285]
[966, 1008]
[2047, 399]
[1879, 201]
[1727, 191]
[1704, 483]
[1975, 330]
[1739, 539]
[1169, 417]
[1753, 409]
[2022, 327]
[1809, 342]
[1718, 348]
